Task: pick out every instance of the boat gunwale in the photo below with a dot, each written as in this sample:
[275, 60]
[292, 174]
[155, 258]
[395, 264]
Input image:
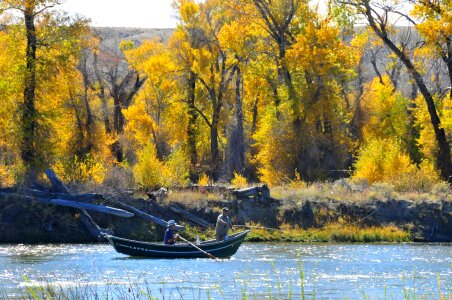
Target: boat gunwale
[231, 238]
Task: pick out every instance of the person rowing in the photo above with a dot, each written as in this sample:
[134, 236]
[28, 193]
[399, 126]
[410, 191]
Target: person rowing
[170, 237]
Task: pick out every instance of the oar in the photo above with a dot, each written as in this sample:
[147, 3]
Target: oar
[193, 245]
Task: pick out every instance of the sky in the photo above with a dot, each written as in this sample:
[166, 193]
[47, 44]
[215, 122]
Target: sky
[120, 13]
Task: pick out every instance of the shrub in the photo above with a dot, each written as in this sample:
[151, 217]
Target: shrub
[274, 142]
[6, 176]
[441, 187]
[239, 181]
[203, 180]
[149, 169]
[383, 160]
[77, 170]
[383, 188]
[119, 177]
[297, 183]
[176, 169]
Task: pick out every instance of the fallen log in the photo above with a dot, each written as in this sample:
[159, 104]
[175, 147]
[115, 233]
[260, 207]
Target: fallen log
[85, 197]
[197, 220]
[159, 194]
[262, 192]
[74, 204]
[145, 216]
[85, 218]
[56, 182]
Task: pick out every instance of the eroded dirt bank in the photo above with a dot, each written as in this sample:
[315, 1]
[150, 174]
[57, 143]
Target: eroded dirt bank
[31, 222]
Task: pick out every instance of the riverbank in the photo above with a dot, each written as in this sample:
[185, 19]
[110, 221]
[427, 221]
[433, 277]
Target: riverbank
[316, 213]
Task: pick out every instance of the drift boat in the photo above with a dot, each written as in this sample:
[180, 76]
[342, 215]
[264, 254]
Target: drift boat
[222, 249]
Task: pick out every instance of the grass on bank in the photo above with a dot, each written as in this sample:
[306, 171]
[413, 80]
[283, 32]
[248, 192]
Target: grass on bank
[330, 233]
[340, 190]
[356, 191]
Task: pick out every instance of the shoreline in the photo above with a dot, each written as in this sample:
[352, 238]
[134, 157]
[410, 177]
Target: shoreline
[299, 215]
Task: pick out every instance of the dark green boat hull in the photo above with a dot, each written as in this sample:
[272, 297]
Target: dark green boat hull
[223, 249]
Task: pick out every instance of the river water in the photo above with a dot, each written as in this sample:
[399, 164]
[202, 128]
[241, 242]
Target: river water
[329, 271]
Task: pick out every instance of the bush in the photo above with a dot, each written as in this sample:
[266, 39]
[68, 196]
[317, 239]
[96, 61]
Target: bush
[149, 169]
[203, 180]
[119, 177]
[383, 160]
[176, 170]
[239, 181]
[80, 169]
[6, 176]
[441, 187]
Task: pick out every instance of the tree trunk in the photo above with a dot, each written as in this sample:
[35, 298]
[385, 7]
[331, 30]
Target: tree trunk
[191, 128]
[122, 98]
[237, 140]
[29, 113]
[116, 147]
[215, 153]
[443, 160]
[240, 146]
[448, 60]
[105, 113]
[89, 122]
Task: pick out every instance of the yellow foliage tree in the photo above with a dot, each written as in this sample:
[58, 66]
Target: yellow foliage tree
[384, 160]
[273, 138]
[149, 169]
[384, 111]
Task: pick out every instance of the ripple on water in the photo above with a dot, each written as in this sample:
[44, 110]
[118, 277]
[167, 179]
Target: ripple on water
[336, 269]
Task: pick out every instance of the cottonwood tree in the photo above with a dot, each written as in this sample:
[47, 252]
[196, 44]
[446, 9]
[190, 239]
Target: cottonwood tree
[51, 41]
[381, 18]
[30, 9]
[214, 70]
[116, 80]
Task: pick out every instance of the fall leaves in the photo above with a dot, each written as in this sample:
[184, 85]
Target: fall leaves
[256, 90]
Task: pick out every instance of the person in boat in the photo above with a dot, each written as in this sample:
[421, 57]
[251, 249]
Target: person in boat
[223, 225]
[170, 235]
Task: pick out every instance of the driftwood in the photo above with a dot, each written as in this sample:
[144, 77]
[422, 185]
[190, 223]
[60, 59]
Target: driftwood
[203, 223]
[159, 194]
[60, 195]
[74, 204]
[145, 216]
[85, 197]
[56, 182]
[85, 218]
[261, 193]
[204, 188]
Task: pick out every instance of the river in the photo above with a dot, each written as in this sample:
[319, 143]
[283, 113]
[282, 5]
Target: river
[329, 271]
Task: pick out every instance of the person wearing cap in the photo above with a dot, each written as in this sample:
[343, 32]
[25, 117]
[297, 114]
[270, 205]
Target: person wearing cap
[223, 225]
[170, 237]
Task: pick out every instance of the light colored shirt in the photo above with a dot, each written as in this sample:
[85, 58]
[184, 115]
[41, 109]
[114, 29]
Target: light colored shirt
[221, 228]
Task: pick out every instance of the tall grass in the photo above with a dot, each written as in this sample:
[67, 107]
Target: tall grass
[355, 191]
[334, 232]
[331, 233]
